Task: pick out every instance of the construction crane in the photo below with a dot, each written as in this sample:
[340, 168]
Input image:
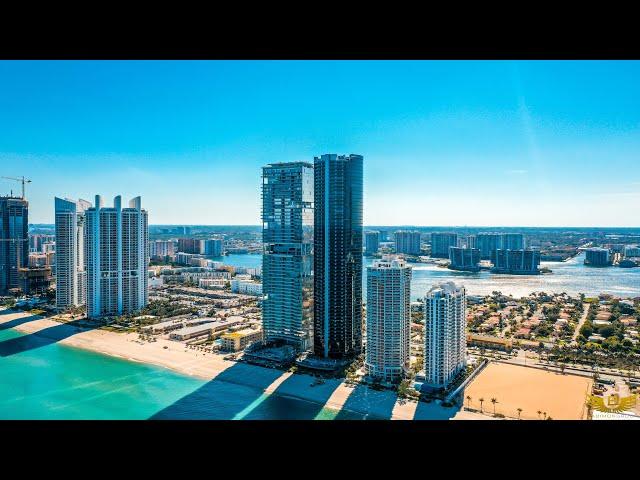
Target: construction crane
[21, 180]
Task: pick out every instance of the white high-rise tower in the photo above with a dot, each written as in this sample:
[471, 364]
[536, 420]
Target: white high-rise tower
[71, 277]
[117, 256]
[445, 318]
[388, 319]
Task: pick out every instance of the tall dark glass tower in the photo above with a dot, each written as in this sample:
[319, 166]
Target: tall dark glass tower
[337, 257]
[14, 241]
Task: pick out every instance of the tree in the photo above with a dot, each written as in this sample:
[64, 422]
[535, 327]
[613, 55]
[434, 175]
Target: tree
[494, 401]
[539, 413]
[468, 401]
[519, 413]
[545, 415]
[481, 400]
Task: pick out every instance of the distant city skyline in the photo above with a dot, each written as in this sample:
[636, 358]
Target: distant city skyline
[446, 143]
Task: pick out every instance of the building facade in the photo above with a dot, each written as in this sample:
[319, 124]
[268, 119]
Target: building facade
[388, 319]
[467, 259]
[407, 242]
[161, 249]
[71, 276]
[444, 333]
[518, 262]
[371, 242]
[37, 242]
[488, 243]
[117, 257]
[246, 287]
[14, 242]
[190, 245]
[338, 184]
[597, 257]
[213, 247]
[440, 243]
[513, 241]
[287, 235]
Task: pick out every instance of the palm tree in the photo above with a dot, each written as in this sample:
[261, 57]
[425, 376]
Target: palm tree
[539, 413]
[494, 401]
[481, 400]
[468, 401]
[519, 412]
[545, 415]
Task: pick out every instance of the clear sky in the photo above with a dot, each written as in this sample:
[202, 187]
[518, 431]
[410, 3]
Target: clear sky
[553, 143]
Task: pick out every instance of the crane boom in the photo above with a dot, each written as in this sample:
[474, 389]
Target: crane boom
[21, 180]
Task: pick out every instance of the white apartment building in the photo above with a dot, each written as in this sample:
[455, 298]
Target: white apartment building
[117, 257]
[388, 319]
[246, 287]
[445, 316]
[71, 276]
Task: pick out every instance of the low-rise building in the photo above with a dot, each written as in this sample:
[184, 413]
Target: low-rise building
[246, 287]
[237, 341]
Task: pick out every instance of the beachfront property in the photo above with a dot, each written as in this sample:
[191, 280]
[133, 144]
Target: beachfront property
[239, 340]
[117, 256]
[214, 247]
[71, 275]
[287, 284]
[206, 328]
[337, 261]
[444, 334]
[388, 319]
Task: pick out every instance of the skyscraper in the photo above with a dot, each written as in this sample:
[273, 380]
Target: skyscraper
[190, 245]
[117, 256]
[488, 243]
[287, 222]
[161, 249]
[388, 319]
[213, 247]
[513, 241]
[371, 242]
[407, 242]
[71, 276]
[444, 333]
[464, 259]
[518, 262]
[338, 184]
[440, 243]
[14, 241]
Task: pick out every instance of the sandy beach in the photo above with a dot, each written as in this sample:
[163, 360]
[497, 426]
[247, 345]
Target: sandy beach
[562, 397]
[333, 394]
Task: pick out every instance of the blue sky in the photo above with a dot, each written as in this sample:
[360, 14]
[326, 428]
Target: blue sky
[509, 143]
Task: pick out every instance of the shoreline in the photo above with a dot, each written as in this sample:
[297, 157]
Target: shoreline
[332, 395]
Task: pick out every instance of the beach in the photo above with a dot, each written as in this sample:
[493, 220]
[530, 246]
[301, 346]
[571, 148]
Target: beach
[333, 394]
[562, 397]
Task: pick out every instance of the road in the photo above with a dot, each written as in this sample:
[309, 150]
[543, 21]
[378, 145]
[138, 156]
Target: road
[582, 370]
[583, 318]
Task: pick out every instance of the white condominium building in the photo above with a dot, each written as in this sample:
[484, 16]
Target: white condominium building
[388, 319]
[444, 333]
[71, 277]
[117, 256]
